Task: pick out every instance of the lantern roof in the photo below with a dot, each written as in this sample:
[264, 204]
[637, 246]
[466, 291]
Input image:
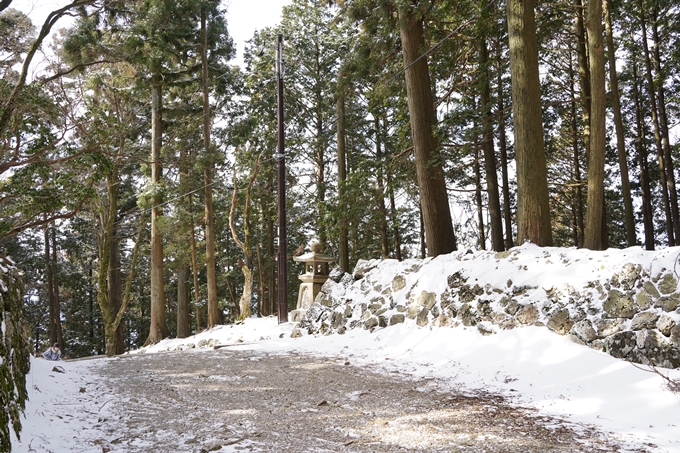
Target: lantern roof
[314, 257]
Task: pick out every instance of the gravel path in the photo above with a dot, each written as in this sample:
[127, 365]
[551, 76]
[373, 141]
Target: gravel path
[236, 399]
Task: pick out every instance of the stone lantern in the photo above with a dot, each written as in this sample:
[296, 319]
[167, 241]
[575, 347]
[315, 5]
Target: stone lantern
[316, 274]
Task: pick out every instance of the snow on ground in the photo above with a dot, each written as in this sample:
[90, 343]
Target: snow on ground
[532, 365]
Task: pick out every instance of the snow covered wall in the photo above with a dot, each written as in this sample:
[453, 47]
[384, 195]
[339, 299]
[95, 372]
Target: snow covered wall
[623, 302]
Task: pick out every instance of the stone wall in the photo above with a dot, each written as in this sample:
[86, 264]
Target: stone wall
[628, 309]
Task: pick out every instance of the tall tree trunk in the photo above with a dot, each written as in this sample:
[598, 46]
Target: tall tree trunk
[478, 201]
[434, 200]
[382, 209]
[489, 152]
[214, 315]
[394, 217]
[260, 268]
[115, 288]
[533, 210]
[158, 328]
[579, 225]
[670, 230]
[194, 268]
[663, 123]
[647, 213]
[343, 244]
[595, 210]
[423, 244]
[631, 238]
[502, 144]
[91, 304]
[245, 246]
[52, 330]
[183, 310]
[55, 284]
[584, 74]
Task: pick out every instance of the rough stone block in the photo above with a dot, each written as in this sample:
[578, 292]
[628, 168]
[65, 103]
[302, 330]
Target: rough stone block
[413, 311]
[560, 322]
[660, 351]
[484, 308]
[585, 331]
[363, 267]
[468, 293]
[347, 280]
[608, 327]
[442, 321]
[398, 283]
[619, 305]
[467, 315]
[651, 289]
[527, 314]
[620, 344]
[512, 307]
[427, 300]
[397, 319]
[665, 324]
[668, 284]
[456, 280]
[485, 328]
[629, 276]
[421, 319]
[644, 300]
[667, 303]
[675, 336]
[337, 319]
[336, 274]
[575, 339]
[644, 320]
[371, 322]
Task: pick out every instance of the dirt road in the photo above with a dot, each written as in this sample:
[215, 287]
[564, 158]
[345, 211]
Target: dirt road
[234, 399]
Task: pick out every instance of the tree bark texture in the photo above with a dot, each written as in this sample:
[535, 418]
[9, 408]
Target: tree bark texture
[584, 74]
[502, 144]
[245, 246]
[533, 211]
[663, 122]
[579, 225]
[194, 269]
[343, 243]
[495, 218]
[380, 195]
[115, 286]
[479, 202]
[183, 305]
[595, 219]
[214, 315]
[631, 238]
[434, 200]
[158, 328]
[670, 230]
[647, 213]
[52, 314]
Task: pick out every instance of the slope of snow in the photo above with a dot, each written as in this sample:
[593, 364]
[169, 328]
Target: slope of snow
[531, 365]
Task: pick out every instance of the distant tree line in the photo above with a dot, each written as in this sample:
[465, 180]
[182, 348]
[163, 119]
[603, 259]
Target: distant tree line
[138, 188]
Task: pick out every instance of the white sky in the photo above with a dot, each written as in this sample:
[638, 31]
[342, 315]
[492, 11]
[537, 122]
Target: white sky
[243, 16]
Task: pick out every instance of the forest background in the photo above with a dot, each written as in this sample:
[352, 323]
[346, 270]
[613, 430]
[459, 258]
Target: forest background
[138, 166]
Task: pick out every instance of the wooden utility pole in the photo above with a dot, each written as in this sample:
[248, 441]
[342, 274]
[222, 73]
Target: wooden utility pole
[283, 265]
